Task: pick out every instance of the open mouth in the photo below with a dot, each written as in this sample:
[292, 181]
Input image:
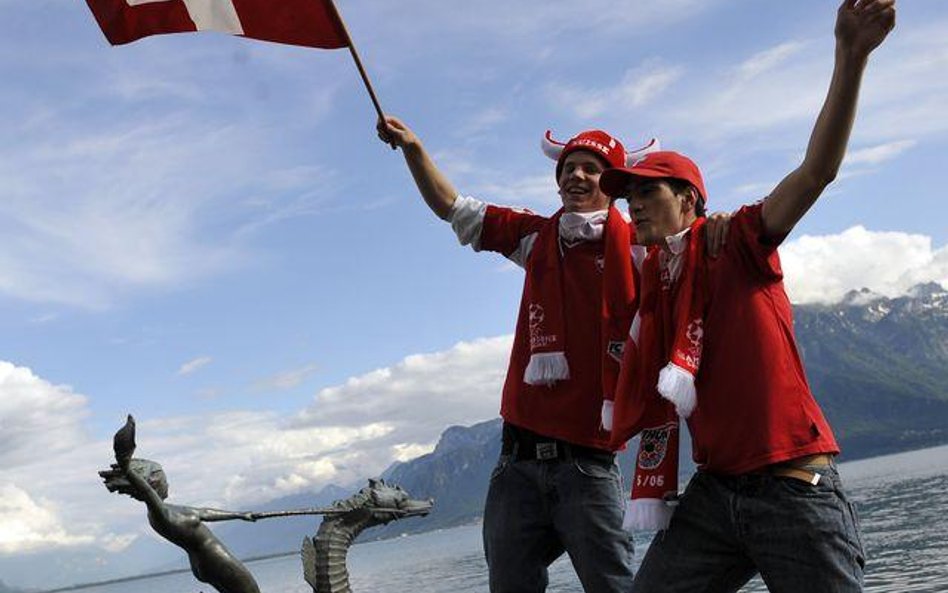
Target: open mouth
[417, 508]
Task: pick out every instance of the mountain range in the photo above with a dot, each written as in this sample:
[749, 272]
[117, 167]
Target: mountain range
[878, 367]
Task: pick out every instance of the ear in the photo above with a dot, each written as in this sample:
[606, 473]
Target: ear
[690, 197]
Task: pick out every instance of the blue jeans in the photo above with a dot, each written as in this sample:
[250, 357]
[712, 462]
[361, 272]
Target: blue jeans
[536, 510]
[726, 529]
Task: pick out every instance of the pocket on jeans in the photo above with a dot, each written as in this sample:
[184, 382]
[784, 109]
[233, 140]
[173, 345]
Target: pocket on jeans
[502, 463]
[596, 469]
[798, 487]
[857, 534]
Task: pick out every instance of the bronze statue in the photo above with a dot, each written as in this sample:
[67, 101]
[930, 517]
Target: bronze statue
[324, 557]
[144, 480]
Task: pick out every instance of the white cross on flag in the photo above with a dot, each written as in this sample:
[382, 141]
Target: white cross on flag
[312, 23]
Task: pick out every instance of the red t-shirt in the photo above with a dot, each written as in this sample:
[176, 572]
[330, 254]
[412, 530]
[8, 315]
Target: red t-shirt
[570, 410]
[755, 407]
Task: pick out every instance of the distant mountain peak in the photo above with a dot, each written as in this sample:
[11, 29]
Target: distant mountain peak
[932, 290]
[459, 437]
[861, 297]
[928, 299]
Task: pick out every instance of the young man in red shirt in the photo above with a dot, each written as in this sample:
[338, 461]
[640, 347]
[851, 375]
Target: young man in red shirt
[556, 486]
[714, 343]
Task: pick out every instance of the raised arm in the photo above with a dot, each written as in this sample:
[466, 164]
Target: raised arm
[435, 188]
[218, 515]
[148, 495]
[123, 444]
[861, 25]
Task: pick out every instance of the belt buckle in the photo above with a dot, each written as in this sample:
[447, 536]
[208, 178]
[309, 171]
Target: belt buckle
[546, 451]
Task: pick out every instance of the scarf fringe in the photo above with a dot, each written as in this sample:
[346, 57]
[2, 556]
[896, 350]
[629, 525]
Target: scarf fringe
[606, 414]
[678, 386]
[546, 368]
[647, 514]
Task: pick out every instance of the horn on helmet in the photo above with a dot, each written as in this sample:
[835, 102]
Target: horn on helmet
[551, 147]
[631, 156]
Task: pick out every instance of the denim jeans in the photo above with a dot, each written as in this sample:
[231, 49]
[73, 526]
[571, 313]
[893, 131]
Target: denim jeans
[726, 529]
[536, 510]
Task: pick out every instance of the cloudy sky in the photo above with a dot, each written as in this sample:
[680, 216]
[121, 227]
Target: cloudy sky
[203, 230]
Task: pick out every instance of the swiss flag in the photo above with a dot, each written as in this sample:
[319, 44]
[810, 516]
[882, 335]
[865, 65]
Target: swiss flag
[311, 23]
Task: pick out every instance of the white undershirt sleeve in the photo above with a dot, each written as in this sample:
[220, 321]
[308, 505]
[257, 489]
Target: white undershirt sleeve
[467, 220]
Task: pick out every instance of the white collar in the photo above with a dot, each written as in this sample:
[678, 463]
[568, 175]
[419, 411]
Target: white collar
[587, 226]
[677, 242]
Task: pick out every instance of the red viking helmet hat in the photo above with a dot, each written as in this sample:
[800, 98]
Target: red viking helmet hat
[599, 143]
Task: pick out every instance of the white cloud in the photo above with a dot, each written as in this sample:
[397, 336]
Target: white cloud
[639, 87]
[287, 379]
[493, 22]
[44, 318]
[44, 468]
[874, 155]
[192, 366]
[642, 86]
[768, 101]
[537, 191]
[422, 394]
[756, 95]
[27, 525]
[484, 120]
[351, 431]
[822, 269]
[769, 59]
[139, 173]
[233, 459]
[115, 215]
[37, 418]
[407, 452]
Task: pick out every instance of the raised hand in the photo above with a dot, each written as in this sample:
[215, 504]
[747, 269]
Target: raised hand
[393, 131]
[862, 25]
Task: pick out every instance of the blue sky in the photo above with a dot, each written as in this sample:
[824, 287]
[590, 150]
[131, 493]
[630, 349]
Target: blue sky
[204, 231]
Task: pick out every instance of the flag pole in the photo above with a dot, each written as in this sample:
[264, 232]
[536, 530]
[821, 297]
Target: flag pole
[358, 63]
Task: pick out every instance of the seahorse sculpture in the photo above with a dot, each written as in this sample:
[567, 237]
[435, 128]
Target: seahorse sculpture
[324, 557]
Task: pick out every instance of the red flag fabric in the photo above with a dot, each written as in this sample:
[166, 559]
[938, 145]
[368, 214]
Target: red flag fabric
[310, 23]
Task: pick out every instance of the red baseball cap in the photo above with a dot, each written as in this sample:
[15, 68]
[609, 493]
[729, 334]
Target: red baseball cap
[656, 165]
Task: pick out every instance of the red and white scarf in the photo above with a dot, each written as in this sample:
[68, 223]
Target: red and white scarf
[543, 293]
[657, 381]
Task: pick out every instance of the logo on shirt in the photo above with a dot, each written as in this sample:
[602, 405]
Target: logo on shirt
[654, 445]
[535, 318]
[616, 349]
[695, 336]
[665, 277]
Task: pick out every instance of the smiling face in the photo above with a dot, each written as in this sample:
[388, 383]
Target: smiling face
[658, 210]
[579, 182]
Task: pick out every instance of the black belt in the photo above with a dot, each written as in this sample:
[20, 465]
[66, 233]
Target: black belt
[525, 445]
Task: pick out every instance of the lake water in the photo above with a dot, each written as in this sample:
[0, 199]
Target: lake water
[902, 499]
